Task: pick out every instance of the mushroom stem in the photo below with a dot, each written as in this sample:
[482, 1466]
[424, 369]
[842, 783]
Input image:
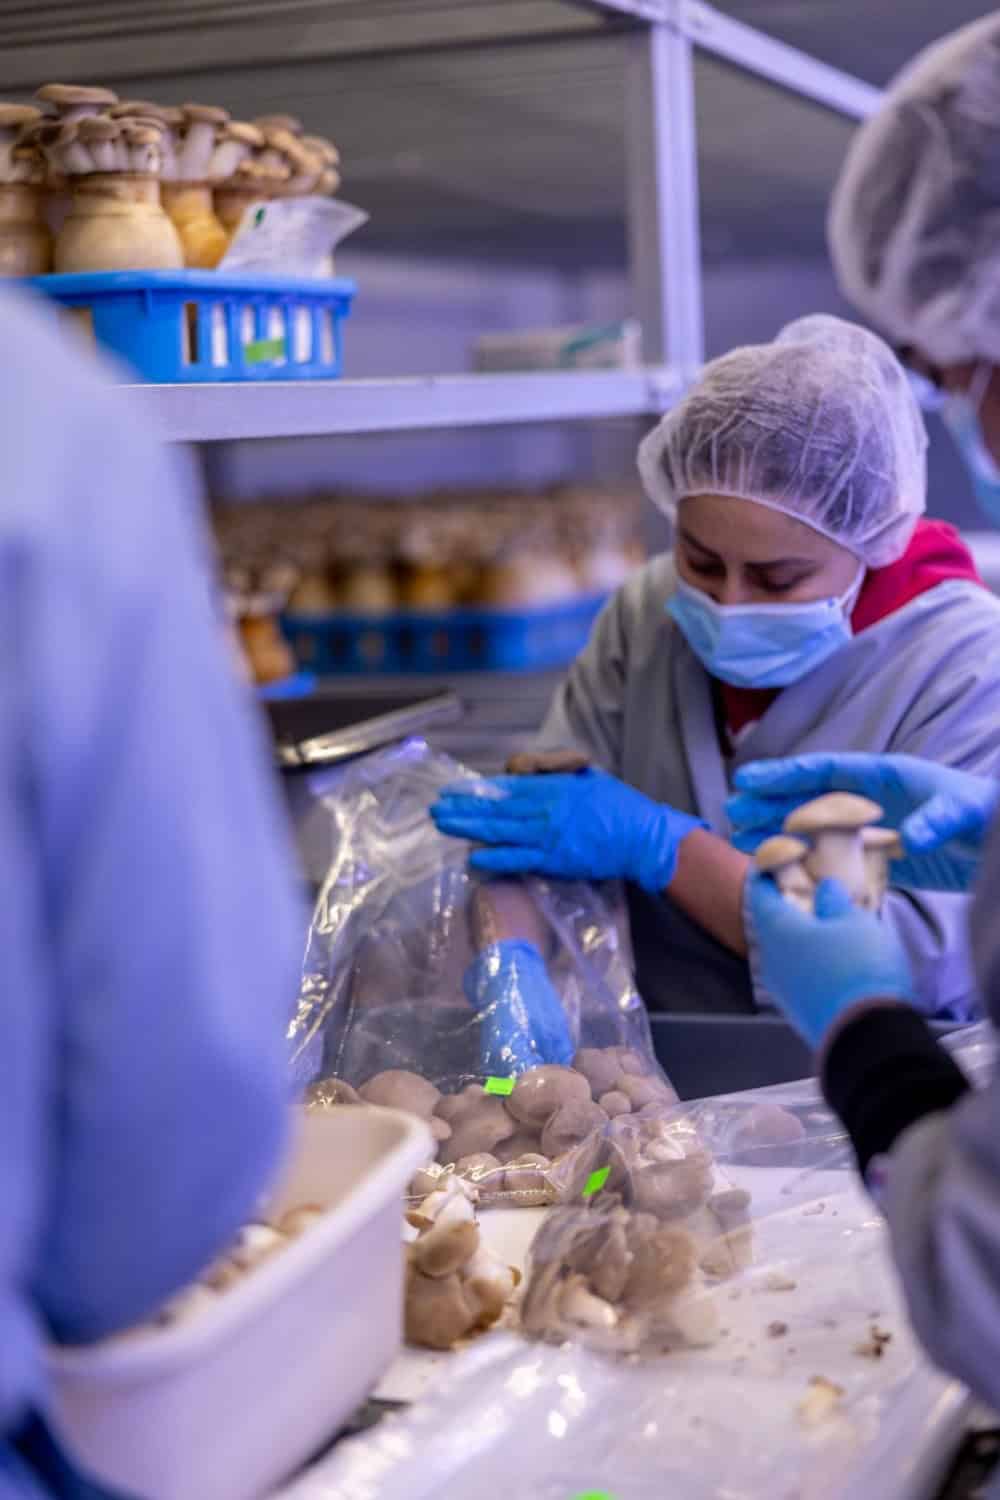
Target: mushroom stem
[881, 845]
[191, 210]
[838, 854]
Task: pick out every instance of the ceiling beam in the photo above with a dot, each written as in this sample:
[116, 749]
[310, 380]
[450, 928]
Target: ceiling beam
[187, 39]
[752, 50]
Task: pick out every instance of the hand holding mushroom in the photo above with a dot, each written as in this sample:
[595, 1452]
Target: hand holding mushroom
[941, 814]
[817, 966]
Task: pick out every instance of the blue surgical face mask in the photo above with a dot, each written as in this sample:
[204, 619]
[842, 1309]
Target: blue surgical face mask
[763, 645]
[960, 414]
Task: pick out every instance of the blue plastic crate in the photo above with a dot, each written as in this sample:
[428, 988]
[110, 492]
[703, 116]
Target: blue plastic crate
[461, 640]
[212, 325]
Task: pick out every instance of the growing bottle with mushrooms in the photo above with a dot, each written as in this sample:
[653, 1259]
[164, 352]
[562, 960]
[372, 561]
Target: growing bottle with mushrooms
[112, 166]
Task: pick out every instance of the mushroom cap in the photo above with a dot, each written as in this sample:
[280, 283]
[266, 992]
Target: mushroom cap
[836, 811]
[144, 109]
[205, 114]
[68, 95]
[98, 128]
[544, 762]
[778, 852]
[288, 123]
[541, 1091]
[524, 1142]
[480, 1125]
[16, 115]
[571, 1124]
[250, 135]
[398, 1089]
[600, 1066]
[321, 147]
[886, 839]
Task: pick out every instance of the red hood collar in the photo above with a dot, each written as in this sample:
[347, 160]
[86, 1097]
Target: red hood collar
[936, 554]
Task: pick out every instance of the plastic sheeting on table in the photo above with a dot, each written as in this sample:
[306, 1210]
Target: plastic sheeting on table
[520, 1418]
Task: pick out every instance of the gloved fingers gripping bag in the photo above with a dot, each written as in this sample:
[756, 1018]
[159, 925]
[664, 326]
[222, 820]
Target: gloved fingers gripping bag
[503, 1012]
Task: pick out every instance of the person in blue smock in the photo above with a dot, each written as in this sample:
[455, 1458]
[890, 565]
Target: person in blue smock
[149, 926]
[806, 605]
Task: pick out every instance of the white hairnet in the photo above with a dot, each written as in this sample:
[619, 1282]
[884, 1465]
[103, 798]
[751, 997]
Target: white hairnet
[914, 223]
[821, 425]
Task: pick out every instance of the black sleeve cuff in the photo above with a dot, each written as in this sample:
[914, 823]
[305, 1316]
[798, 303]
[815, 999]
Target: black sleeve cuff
[883, 1072]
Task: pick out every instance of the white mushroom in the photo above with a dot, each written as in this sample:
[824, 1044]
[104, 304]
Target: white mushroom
[833, 825]
[782, 858]
[73, 102]
[203, 124]
[880, 846]
[102, 138]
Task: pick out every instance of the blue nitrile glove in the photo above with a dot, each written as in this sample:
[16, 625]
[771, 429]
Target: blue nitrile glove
[942, 814]
[816, 967]
[583, 826]
[522, 1019]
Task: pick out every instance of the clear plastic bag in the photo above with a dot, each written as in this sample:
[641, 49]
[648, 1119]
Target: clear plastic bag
[788, 1369]
[505, 1012]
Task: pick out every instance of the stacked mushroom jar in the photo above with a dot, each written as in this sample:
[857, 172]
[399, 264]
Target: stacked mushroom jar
[111, 167]
[832, 837]
[149, 188]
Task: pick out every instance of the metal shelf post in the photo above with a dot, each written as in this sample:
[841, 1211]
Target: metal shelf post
[663, 228]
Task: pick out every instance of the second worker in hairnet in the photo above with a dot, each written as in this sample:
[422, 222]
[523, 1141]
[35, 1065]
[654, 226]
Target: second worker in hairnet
[805, 605]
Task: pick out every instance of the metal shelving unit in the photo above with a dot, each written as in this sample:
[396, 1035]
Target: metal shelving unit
[314, 408]
[663, 225]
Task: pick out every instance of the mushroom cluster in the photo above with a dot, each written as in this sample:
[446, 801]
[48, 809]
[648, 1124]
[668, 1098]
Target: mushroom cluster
[832, 837]
[651, 1164]
[455, 1285]
[141, 179]
[281, 162]
[111, 166]
[507, 1143]
[619, 1281]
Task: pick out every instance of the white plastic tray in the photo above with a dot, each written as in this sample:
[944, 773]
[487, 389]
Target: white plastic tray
[230, 1404]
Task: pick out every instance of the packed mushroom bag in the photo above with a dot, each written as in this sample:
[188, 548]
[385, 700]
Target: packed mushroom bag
[510, 1078]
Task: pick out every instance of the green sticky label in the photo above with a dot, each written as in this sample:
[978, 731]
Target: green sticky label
[595, 1495]
[264, 349]
[258, 217]
[499, 1085]
[595, 1182]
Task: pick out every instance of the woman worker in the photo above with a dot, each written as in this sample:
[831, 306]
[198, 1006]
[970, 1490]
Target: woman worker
[916, 237]
[806, 605]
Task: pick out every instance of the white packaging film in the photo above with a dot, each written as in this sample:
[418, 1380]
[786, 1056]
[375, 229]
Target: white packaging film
[812, 1387]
